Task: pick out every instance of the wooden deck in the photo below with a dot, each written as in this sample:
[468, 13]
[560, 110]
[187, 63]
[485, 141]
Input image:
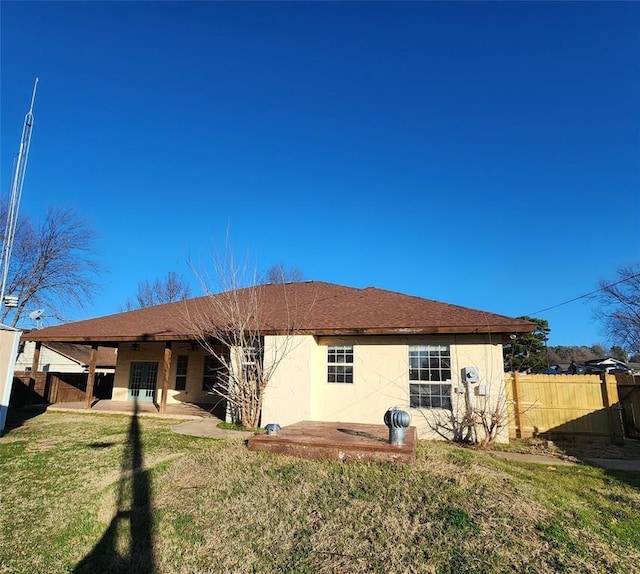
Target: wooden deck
[337, 441]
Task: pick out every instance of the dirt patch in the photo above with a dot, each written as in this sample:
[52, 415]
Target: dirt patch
[576, 450]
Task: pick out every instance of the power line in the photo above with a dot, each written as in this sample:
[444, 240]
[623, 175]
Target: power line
[585, 295]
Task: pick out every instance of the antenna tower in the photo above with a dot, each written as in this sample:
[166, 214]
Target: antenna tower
[17, 179]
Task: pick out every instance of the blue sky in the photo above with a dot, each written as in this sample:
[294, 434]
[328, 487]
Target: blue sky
[481, 154]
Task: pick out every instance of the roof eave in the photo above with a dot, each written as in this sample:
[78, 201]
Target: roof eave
[112, 341]
[449, 330]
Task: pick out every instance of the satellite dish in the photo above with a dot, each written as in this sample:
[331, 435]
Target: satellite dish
[37, 314]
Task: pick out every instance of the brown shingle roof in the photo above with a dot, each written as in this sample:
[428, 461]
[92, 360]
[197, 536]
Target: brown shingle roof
[312, 307]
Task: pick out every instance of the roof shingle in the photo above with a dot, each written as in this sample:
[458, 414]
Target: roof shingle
[311, 307]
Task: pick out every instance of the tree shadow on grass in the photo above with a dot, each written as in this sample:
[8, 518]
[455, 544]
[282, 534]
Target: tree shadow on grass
[127, 544]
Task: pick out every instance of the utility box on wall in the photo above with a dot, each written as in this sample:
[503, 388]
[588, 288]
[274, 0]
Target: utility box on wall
[472, 374]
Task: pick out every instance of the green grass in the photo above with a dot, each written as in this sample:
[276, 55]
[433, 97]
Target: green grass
[96, 493]
[232, 426]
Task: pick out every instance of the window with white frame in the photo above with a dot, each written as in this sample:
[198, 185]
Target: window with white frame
[429, 377]
[181, 372]
[252, 361]
[340, 364]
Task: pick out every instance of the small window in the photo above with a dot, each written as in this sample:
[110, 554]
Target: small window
[252, 362]
[181, 372]
[430, 377]
[340, 364]
[213, 371]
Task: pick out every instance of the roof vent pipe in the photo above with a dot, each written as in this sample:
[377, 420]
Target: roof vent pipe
[398, 422]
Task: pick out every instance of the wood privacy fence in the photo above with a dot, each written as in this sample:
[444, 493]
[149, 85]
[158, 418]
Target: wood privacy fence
[49, 387]
[601, 407]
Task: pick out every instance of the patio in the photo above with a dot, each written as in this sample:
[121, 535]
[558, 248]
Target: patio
[337, 441]
[177, 411]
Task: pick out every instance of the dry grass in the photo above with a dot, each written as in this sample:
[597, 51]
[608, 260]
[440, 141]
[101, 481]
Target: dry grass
[82, 502]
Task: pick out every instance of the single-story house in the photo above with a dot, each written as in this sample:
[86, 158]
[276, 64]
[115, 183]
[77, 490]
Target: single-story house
[65, 358]
[606, 365]
[355, 353]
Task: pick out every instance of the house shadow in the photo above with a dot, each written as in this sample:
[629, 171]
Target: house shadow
[595, 438]
[127, 544]
[17, 416]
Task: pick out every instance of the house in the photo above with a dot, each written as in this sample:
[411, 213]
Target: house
[62, 370]
[606, 365]
[352, 353]
[65, 358]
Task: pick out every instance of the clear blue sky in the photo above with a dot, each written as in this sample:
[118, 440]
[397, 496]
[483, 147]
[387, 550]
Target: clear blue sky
[481, 154]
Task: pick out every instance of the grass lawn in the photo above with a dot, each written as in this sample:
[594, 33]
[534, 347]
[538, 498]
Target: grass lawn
[91, 493]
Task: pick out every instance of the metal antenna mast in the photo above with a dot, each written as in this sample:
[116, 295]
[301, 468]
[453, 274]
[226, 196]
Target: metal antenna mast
[17, 180]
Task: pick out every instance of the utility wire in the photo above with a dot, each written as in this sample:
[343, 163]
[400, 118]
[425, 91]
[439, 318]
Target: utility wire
[585, 295]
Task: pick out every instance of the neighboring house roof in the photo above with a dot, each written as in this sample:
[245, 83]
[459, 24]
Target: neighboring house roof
[606, 365]
[311, 307]
[606, 362]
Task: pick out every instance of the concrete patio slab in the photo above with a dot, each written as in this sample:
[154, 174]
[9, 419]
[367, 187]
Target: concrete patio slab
[337, 441]
[178, 411]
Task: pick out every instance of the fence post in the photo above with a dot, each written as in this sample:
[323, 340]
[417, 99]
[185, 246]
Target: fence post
[609, 399]
[516, 396]
[33, 373]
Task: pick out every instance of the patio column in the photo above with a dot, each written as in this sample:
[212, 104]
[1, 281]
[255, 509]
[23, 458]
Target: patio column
[34, 371]
[91, 377]
[165, 377]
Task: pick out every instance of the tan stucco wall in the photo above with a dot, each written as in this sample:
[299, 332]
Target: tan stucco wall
[288, 395]
[155, 352]
[300, 391]
[9, 339]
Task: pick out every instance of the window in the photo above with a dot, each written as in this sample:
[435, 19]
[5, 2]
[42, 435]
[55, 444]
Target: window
[212, 373]
[181, 372]
[252, 362]
[340, 364]
[429, 377]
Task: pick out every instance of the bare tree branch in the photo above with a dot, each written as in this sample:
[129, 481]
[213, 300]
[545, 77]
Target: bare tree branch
[620, 308]
[279, 274]
[52, 266]
[230, 324]
[172, 288]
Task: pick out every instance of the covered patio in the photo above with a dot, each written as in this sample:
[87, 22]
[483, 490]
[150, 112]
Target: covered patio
[139, 408]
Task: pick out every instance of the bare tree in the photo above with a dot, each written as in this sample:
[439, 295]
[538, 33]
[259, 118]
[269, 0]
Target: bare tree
[52, 266]
[230, 323]
[476, 420]
[279, 274]
[619, 308]
[172, 288]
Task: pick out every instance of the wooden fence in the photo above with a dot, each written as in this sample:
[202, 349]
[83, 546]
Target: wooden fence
[49, 387]
[601, 407]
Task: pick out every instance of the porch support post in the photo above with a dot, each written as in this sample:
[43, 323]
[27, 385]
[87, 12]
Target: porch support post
[165, 377]
[91, 377]
[34, 371]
